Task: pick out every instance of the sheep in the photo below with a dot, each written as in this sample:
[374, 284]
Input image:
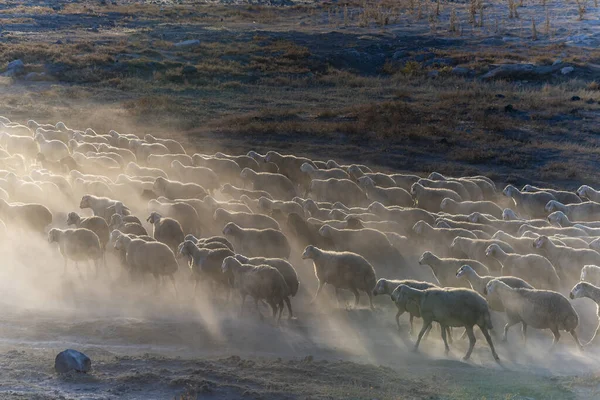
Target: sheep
[278, 185]
[285, 269]
[339, 215]
[558, 218]
[166, 230]
[591, 274]
[551, 230]
[227, 170]
[236, 193]
[143, 256]
[76, 147]
[430, 199]
[474, 227]
[585, 289]
[369, 243]
[22, 191]
[76, 174]
[89, 139]
[342, 270]
[263, 165]
[530, 204]
[77, 245]
[290, 166]
[287, 207]
[202, 176]
[164, 161]
[393, 196]
[566, 260]
[52, 150]
[261, 282]
[454, 186]
[588, 211]
[213, 239]
[332, 190]
[521, 245]
[51, 134]
[406, 217]
[468, 207]
[133, 169]
[125, 154]
[121, 223]
[33, 125]
[540, 309]
[143, 150]
[478, 283]
[97, 162]
[24, 145]
[242, 161]
[533, 268]
[443, 236]
[177, 190]
[207, 263]
[306, 233]
[269, 243]
[475, 249]
[560, 195]
[444, 269]
[451, 308]
[183, 213]
[487, 188]
[387, 287]
[588, 193]
[101, 206]
[323, 174]
[405, 181]
[35, 217]
[333, 164]
[380, 179]
[173, 145]
[245, 220]
[104, 158]
[95, 224]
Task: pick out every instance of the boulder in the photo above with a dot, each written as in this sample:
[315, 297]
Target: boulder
[72, 360]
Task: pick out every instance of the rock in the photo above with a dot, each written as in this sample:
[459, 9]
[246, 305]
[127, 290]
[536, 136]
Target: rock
[461, 71]
[557, 62]
[188, 43]
[72, 360]
[14, 68]
[575, 98]
[566, 70]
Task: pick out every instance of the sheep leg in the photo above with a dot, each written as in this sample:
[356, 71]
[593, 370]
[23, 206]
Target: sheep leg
[445, 339]
[428, 331]
[243, 302]
[488, 338]
[289, 307]
[273, 307]
[576, 338]
[370, 294]
[321, 284]
[426, 324]
[357, 297]
[508, 325]
[524, 331]
[472, 340]
[172, 279]
[398, 314]
[280, 309]
[337, 297]
[257, 309]
[594, 337]
[556, 334]
[449, 334]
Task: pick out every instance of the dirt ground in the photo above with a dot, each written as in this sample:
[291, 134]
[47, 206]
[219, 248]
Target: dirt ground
[325, 80]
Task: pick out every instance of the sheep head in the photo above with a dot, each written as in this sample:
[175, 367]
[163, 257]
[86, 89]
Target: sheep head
[426, 258]
[582, 191]
[541, 242]
[509, 215]
[326, 231]
[54, 235]
[154, 218]
[231, 229]
[85, 201]
[551, 206]
[578, 290]
[557, 218]
[229, 263]
[492, 250]
[509, 190]
[306, 167]
[419, 227]
[73, 218]
[380, 287]
[310, 252]
[464, 271]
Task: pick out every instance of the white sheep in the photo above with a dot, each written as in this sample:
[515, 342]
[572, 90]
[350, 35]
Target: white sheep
[53, 150]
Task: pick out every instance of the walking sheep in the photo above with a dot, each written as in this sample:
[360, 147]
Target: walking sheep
[258, 242]
[77, 245]
[585, 289]
[166, 230]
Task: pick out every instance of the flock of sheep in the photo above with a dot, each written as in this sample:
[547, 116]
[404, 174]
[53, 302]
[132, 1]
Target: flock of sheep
[454, 251]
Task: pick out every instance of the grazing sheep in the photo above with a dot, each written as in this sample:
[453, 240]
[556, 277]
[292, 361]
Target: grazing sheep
[269, 243]
[530, 204]
[323, 174]
[530, 267]
[479, 283]
[177, 190]
[591, 274]
[173, 145]
[392, 196]
[560, 195]
[387, 287]
[166, 230]
[34, 217]
[444, 269]
[77, 245]
[567, 261]
[142, 257]
[332, 190]
[582, 212]
[95, 224]
[236, 193]
[588, 193]
[202, 176]
[450, 308]
[468, 207]
[540, 309]
[206, 263]
[278, 185]
[430, 199]
[585, 289]
[261, 282]
[53, 150]
[245, 220]
[342, 270]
